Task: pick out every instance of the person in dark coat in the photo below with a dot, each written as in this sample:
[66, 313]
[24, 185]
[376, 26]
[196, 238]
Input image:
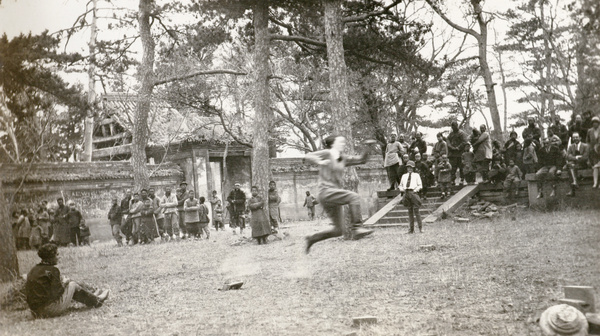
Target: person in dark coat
[532, 132]
[576, 126]
[456, 142]
[259, 223]
[424, 171]
[126, 221]
[62, 231]
[115, 217]
[74, 218]
[49, 294]
[418, 146]
[192, 219]
[237, 203]
[561, 131]
[577, 158]
[274, 201]
[510, 149]
[550, 160]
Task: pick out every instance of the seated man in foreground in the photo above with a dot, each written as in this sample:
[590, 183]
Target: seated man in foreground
[49, 294]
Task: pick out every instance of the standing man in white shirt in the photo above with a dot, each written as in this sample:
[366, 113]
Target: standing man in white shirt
[410, 185]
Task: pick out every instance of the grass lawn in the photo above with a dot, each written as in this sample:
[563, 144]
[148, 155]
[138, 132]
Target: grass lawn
[483, 278]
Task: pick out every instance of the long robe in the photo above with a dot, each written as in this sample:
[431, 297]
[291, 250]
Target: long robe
[259, 223]
[62, 231]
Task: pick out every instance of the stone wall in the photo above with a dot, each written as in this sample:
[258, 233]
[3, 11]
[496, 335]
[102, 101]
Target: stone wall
[294, 178]
[90, 185]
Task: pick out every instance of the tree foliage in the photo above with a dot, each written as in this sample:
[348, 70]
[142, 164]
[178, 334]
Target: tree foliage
[40, 113]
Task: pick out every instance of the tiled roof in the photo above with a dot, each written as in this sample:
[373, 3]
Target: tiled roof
[167, 125]
[79, 171]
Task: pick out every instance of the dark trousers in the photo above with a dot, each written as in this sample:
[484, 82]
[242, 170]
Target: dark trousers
[456, 162]
[412, 213]
[483, 167]
[393, 173]
[545, 173]
[333, 200]
[75, 235]
[470, 177]
[192, 229]
[237, 221]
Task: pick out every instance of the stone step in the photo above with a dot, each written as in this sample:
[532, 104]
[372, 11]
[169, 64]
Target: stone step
[426, 205]
[389, 225]
[404, 212]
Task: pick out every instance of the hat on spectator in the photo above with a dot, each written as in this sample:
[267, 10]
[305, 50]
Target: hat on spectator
[410, 164]
[595, 119]
[182, 183]
[562, 320]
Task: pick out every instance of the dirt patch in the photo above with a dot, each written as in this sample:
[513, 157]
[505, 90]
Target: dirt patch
[486, 278]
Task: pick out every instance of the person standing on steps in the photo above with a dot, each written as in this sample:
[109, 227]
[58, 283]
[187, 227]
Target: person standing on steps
[331, 196]
[482, 148]
[410, 185]
[393, 150]
[456, 143]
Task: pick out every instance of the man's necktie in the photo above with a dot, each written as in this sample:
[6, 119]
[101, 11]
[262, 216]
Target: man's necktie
[408, 181]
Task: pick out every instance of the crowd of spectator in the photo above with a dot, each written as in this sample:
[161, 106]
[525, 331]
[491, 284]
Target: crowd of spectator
[458, 158]
[63, 225]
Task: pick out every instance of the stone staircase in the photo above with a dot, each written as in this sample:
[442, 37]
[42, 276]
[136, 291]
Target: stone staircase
[397, 216]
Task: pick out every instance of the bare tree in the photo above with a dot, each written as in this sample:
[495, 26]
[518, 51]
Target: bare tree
[482, 43]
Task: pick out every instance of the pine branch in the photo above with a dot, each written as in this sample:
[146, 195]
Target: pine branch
[452, 24]
[200, 73]
[362, 17]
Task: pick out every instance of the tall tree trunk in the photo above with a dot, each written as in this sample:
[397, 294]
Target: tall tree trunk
[339, 102]
[485, 69]
[503, 86]
[582, 92]
[261, 172]
[88, 131]
[9, 265]
[146, 77]
[547, 88]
